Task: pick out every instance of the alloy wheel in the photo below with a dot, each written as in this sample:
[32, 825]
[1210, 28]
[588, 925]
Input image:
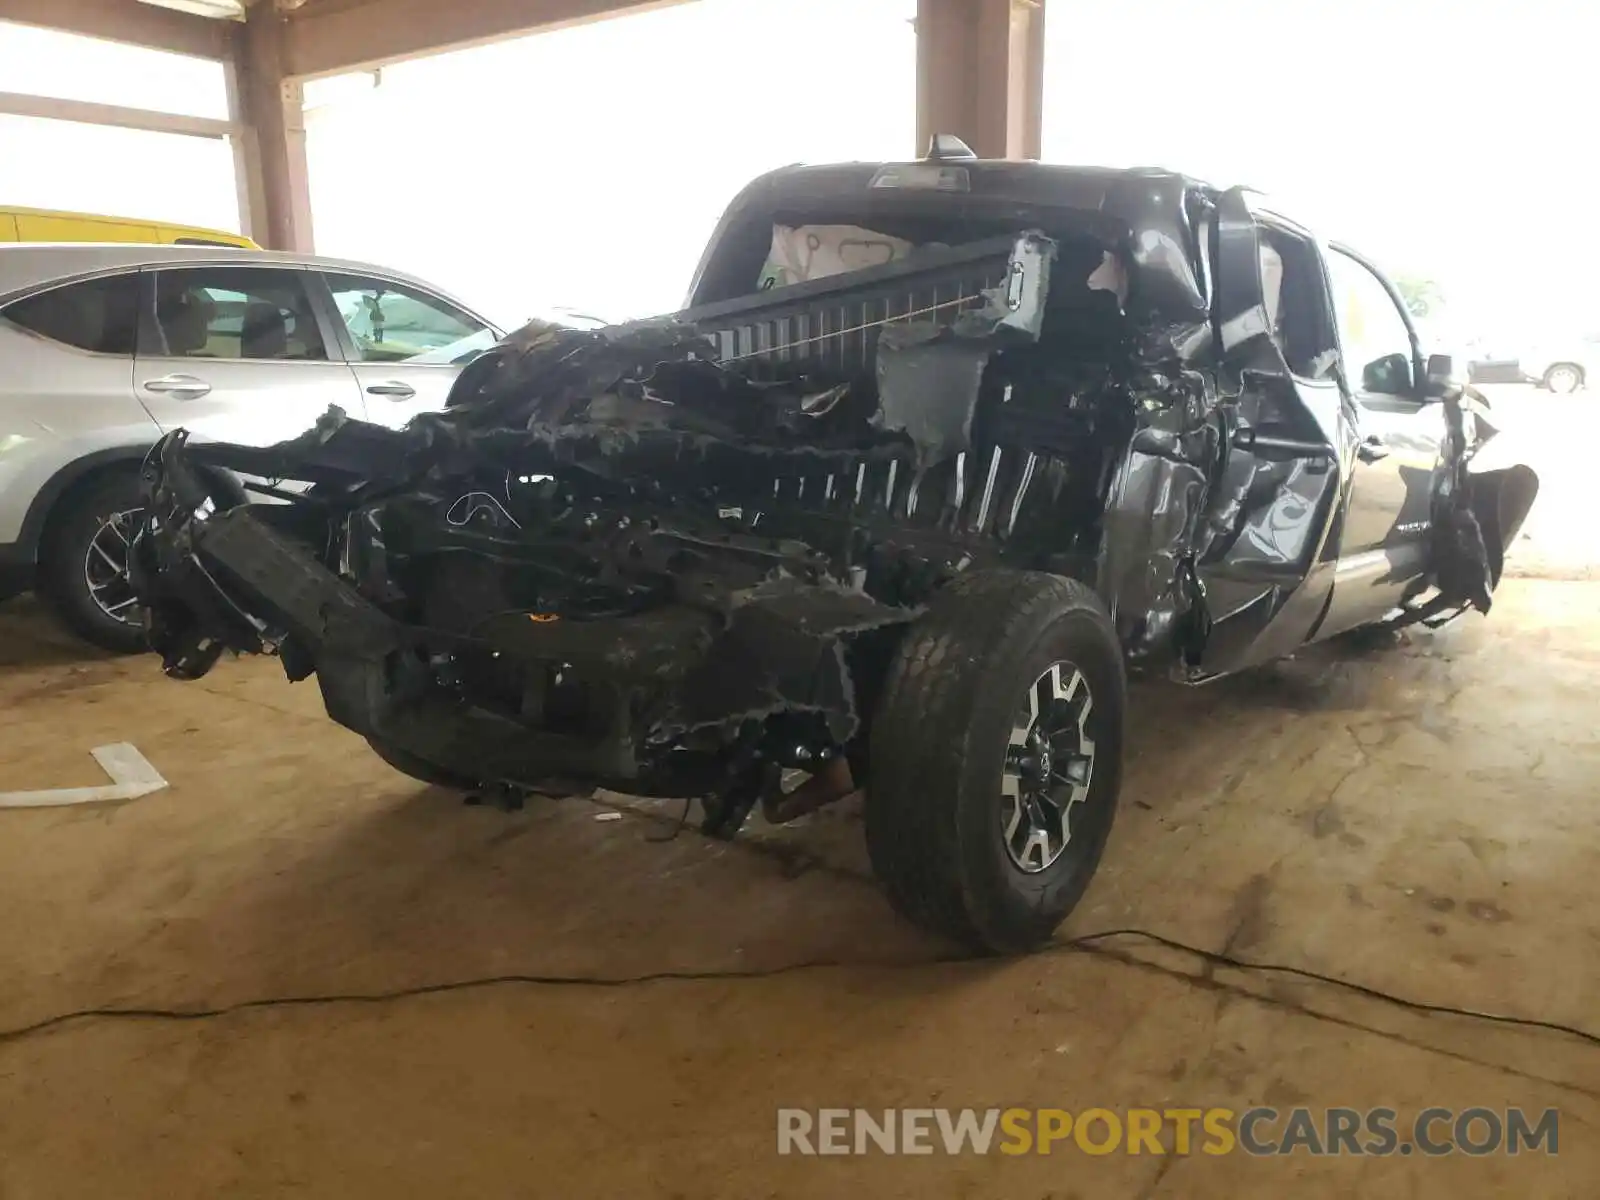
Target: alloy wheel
[105, 567]
[1048, 767]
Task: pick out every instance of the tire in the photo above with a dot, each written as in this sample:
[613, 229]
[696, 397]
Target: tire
[1564, 378]
[943, 738]
[420, 769]
[84, 514]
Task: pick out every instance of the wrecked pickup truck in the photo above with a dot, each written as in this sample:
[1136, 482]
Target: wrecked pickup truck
[937, 451]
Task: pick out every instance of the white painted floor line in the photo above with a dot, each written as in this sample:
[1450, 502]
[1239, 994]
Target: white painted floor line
[131, 774]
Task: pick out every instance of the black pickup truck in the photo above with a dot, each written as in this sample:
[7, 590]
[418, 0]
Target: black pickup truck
[937, 452]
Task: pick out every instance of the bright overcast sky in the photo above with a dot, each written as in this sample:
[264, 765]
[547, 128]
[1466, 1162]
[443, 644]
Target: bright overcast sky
[585, 167]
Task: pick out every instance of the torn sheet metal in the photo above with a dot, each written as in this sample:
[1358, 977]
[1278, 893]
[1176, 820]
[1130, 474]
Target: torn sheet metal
[931, 372]
[783, 651]
[1464, 572]
[928, 387]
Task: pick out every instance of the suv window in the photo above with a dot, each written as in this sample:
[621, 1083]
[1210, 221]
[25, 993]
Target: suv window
[391, 323]
[1373, 335]
[98, 315]
[236, 313]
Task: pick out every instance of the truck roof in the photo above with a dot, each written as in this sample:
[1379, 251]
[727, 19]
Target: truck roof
[1120, 191]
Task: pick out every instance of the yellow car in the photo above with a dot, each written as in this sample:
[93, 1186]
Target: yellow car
[42, 225]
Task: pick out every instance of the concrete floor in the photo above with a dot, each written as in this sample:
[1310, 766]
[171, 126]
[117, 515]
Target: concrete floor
[1422, 820]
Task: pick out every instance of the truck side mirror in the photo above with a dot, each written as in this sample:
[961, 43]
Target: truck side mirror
[1388, 376]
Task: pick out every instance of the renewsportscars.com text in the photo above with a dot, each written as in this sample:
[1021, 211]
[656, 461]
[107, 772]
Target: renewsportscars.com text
[1258, 1131]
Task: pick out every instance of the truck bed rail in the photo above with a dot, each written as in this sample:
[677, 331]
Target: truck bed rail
[834, 323]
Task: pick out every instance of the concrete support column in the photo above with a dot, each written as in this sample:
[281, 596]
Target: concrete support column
[980, 74]
[270, 152]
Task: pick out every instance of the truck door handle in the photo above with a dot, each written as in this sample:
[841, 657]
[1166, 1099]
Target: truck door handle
[1372, 448]
[184, 387]
[393, 389]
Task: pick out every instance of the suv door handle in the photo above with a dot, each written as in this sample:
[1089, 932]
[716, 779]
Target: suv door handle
[184, 387]
[393, 389]
[1372, 448]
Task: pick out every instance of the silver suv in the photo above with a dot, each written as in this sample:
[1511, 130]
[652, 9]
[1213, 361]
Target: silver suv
[104, 348]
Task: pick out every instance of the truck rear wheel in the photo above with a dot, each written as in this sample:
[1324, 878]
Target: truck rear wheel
[996, 754]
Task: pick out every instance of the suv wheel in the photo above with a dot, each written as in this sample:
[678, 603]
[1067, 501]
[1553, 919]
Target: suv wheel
[1564, 378]
[83, 564]
[997, 758]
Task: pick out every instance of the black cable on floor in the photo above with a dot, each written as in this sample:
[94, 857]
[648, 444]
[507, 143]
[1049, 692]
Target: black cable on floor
[428, 989]
[1085, 942]
[1240, 964]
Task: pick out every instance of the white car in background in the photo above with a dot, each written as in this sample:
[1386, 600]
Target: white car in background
[1561, 367]
[103, 348]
